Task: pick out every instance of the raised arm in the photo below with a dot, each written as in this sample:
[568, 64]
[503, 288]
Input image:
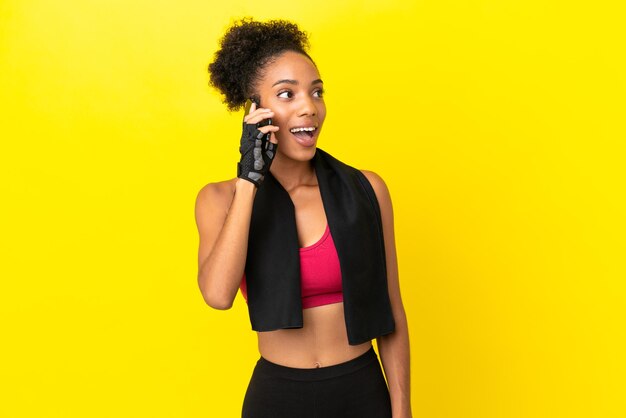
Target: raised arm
[223, 217]
[223, 221]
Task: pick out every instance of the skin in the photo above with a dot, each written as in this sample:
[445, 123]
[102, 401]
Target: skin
[223, 211]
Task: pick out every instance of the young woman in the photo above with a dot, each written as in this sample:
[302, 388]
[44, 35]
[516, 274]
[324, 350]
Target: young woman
[307, 239]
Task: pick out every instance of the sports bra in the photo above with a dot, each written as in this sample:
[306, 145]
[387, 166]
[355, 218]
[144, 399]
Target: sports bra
[320, 274]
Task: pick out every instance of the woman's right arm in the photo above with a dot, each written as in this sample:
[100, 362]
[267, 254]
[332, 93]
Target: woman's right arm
[223, 222]
[223, 217]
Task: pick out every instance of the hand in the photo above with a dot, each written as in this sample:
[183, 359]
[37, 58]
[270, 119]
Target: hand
[257, 146]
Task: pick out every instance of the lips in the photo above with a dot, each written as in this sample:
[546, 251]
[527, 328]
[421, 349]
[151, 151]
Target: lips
[305, 135]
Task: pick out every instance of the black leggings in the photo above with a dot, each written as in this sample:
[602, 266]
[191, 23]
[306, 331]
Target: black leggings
[355, 388]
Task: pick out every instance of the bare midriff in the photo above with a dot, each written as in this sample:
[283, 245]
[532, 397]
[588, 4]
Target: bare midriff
[321, 342]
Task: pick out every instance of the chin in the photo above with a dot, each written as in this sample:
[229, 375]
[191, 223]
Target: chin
[295, 151]
[300, 154]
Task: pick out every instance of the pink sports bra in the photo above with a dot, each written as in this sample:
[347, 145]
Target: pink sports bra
[320, 274]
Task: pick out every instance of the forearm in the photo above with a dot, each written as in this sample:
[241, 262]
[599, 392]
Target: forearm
[394, 350]
[220, 274]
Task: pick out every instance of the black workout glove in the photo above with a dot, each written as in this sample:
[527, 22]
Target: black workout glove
[257, 154]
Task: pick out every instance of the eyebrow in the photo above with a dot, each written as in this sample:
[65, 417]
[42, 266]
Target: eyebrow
[295, 82]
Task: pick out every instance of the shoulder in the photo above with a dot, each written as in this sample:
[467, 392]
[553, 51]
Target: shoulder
[216, 196]
[379, 186]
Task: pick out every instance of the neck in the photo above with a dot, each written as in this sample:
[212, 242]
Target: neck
[292, 173]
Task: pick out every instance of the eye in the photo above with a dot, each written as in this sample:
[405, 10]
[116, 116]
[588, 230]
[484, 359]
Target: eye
[319, 93]
[285, 94]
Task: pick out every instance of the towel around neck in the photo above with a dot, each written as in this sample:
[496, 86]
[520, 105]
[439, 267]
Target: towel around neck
[273, 262]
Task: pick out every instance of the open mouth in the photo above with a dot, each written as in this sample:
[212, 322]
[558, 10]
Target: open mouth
[304, 133]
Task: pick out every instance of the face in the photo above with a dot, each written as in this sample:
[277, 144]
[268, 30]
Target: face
[291, 87]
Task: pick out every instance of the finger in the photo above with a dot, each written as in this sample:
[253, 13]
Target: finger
[258, 116]
[272, 132]
[268, 128]
[252, 110]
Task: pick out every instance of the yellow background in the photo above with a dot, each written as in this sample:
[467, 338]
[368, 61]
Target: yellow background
[497, 125]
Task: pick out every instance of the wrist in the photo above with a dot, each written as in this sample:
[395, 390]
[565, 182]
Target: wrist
[245, 186]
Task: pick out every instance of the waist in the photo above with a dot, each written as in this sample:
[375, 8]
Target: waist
[310, 374]
[323, 339]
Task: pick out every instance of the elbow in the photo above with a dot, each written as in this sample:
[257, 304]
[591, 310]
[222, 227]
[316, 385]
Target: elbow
[215, 299]
[214, 290]
[221, 304]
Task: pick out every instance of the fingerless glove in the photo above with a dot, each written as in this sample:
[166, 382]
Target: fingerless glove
[257, 154]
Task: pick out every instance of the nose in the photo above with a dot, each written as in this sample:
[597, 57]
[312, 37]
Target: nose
[307, 107]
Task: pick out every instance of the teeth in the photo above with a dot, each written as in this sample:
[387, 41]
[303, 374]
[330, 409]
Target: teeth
[309, 129]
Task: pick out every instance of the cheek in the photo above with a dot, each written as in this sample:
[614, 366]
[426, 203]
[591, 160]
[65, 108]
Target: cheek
[322, 112]
[281, 120]
[282, 123]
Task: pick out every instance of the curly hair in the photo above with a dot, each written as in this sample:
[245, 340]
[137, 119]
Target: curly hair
[245, 49]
